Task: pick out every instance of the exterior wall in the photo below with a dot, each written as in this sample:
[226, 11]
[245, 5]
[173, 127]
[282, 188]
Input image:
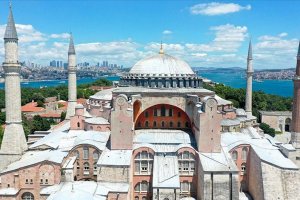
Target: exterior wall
[137, 178]
[277, 122]
[255, 181]
[118, 196]
[279, 183]
[243, 176]
[208, 136]
[32, 179]
[79, 173]
[191, 178]
[75, 121]
[113, 174]
[121, 123]
[221, 189]
[99, 108]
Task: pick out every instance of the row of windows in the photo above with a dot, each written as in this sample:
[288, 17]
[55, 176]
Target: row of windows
[186, 163]
[86, 154]
[163, 124]
[244, 154]
[86, 168]
[163, 112]
[42, 181]
[144, 163]
[144, 186]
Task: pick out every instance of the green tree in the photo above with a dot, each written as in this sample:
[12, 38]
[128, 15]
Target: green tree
[267, 129]
[63, 116]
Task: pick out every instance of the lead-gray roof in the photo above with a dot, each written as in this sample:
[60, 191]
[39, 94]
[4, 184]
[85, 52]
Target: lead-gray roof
[10, 32]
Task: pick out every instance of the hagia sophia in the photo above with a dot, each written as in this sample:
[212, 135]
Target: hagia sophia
[158, 135]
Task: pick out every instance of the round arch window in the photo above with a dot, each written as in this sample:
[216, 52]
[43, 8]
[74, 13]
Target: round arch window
[27, 196]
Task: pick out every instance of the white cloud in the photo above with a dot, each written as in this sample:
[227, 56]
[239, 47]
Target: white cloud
[222, 51]
[216, 8]
[167, 32]
[228, 38]
[61, 35]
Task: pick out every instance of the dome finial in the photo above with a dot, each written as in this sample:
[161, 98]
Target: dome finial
[161, 51]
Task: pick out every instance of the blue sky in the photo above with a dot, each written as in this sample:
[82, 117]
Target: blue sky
[204, 33]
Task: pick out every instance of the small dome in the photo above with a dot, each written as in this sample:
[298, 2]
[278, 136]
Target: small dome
[162, 65]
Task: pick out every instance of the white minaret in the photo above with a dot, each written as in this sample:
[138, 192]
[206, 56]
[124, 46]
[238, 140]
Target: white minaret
[72, 88]
[248, 103]
[14, 141]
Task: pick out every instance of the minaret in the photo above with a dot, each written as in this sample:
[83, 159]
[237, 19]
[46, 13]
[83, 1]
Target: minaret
[72, 88]
[14, 141]
[248, 103]
[295, 137]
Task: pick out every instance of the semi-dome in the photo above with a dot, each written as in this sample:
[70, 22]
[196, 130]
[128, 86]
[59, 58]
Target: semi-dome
[161, 65]
[161, 71]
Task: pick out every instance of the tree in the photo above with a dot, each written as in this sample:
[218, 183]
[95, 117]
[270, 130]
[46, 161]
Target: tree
[1, 134]
[267, 129]
[63, 116]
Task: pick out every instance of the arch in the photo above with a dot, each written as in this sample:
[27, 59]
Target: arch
[234, 155]
[136, 109]
[163, 116]
[287, 126]
[95, 155]
[27, 196]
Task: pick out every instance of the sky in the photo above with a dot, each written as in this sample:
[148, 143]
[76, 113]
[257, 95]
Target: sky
[203, 33]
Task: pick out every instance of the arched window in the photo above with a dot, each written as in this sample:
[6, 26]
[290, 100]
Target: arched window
[27, 196]
[86, 168]
[234, 155]
[154, 124]
[243, 168]
[139, 125]
[146, 124]
[78, 124]
[85, 153]
[244, 153]
[179, 114]
[171, 124]
[144, 198]
[178, 124]
[170, 112]
[76, 153]
[186, 163]
[146, 114]
[186, 124]
[96, 155]
[95, 168]
[143, 163]
[162, 124]
[136, 198]
[163, 111]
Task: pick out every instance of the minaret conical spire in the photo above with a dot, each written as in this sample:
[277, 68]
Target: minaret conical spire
[248, 103]
[71, 45]
[250, 51]
[161, 50]
[11, 31]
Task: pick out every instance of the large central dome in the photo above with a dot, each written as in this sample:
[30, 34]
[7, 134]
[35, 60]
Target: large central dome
[161, 71]
[162, 65]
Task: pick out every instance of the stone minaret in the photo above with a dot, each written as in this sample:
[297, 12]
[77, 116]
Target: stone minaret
[248, 103]
[72, 88]
[295, 137]
[14, 141]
